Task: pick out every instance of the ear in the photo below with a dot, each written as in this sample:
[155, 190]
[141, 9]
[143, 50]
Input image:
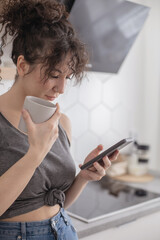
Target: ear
[22, 66]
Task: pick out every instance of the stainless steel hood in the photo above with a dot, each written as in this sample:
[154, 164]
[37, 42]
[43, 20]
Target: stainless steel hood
[109, 29]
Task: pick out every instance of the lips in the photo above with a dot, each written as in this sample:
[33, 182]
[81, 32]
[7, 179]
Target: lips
[50, 98]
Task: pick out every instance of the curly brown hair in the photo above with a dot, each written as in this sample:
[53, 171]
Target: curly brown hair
[41, 32]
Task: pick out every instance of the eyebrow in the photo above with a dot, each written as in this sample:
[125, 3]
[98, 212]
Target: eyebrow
[57, 70]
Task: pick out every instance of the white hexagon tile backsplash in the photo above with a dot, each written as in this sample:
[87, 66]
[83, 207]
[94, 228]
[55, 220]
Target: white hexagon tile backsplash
[100, 120]
[79, 117]
[90, 94]
[97, 113]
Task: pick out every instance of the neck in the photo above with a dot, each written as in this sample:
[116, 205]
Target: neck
[13, 99]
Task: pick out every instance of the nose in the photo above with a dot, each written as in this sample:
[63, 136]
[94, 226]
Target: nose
[60, 86]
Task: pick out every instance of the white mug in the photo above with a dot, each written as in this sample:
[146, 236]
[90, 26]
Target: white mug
[39, 109]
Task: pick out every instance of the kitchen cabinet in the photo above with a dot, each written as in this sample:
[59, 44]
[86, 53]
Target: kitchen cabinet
[143, 228]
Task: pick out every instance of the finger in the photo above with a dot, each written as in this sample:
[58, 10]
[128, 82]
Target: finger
[106, 162]
[90, 169]
[100, 170]
[56, 115]
[96, 151]
[80, 165]
[95, 176]
[27, 118]
[114, 156]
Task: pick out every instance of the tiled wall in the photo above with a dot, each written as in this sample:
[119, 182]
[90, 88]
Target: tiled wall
[101, 110]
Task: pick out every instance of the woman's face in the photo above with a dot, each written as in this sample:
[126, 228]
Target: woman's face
[53, 87]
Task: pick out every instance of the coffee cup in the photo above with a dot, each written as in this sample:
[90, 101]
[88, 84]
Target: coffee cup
[39, 109]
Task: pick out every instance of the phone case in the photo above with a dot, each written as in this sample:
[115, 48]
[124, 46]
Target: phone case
[121, 144]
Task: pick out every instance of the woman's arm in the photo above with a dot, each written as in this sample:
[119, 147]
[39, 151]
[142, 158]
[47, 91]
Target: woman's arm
[66, 124]
[94, 173]
[41, 137]
[15, 179]
[74, 191]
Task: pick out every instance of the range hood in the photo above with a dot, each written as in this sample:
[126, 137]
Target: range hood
[109, 29]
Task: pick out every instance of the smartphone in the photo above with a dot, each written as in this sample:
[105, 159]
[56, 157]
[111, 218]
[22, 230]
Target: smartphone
[119, 145]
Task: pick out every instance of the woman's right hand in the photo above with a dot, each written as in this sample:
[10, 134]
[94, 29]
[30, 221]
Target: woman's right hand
[42, 136]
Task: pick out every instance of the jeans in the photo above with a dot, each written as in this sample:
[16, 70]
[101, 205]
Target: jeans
[58, 227]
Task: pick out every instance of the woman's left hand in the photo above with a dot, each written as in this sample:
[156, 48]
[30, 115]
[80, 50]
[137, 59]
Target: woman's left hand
[97, 171]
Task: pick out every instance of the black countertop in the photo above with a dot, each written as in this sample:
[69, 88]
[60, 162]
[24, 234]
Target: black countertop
[128, 214]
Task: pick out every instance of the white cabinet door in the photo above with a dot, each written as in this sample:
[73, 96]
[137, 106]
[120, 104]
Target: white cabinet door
[146, 228]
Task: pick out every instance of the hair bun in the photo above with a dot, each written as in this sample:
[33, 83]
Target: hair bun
[41, 32]
[18, 14]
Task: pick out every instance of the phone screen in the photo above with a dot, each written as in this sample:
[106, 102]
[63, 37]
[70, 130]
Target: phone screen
[119, 145]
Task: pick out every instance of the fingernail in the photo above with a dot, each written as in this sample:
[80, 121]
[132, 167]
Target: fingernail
[23, 112]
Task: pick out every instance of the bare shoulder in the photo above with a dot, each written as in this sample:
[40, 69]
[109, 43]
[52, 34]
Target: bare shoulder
[0, 102]
[66, 124]
[3, 101]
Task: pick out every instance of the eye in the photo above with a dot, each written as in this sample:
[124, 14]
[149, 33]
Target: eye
[54, 76]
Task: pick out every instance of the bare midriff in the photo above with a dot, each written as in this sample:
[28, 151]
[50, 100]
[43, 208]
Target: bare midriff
[39, 214]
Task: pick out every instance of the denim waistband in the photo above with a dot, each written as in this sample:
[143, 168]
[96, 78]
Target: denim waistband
[24, 229]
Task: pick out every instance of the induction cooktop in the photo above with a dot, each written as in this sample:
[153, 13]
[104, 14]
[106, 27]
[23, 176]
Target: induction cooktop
[108, 197]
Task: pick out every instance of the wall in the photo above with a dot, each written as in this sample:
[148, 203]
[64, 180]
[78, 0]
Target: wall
[106, 108]
[151, 80]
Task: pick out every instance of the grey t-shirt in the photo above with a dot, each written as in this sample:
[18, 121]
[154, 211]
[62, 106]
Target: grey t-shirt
[50, 180]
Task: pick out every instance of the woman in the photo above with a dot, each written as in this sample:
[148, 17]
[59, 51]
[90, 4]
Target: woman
[37, 173]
